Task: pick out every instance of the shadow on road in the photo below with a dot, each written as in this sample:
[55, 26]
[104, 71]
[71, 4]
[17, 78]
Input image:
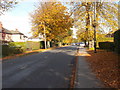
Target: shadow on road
[50, 69]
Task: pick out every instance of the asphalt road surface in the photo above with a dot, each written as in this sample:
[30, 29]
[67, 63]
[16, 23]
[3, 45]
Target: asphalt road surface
[50, 69]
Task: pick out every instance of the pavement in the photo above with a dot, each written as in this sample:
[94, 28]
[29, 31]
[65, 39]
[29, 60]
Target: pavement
[85, 78]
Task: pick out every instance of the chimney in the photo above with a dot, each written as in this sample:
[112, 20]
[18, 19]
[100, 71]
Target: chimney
[1, 26]
[16, 29]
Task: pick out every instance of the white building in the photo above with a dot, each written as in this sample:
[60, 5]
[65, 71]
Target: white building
[11, 35]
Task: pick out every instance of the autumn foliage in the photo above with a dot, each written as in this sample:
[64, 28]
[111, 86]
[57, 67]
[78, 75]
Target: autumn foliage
[106, 67]
[54, 18]
[106, 18]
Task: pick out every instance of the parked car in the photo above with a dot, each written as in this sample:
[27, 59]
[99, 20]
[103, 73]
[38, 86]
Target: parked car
[73, 44]
[82, 44]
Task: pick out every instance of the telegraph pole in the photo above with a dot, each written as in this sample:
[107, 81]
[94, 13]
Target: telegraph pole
[94, 25]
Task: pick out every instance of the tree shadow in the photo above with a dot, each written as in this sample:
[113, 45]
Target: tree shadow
[50, 69]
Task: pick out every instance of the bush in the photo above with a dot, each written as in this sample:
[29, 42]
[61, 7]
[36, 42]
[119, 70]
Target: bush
[63, 44]
[18, 45]
[106, 45]
[42, 46]
[5, 50]
[51, 44]
[117, 41]
[16, 50]
[10, 50]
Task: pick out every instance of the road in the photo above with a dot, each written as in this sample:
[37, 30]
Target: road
[49, 69]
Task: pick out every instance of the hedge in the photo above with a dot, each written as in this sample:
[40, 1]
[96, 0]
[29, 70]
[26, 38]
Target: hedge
[21, 45]
[117, 41]
[5, 50]
[106, 45]
[10, 50]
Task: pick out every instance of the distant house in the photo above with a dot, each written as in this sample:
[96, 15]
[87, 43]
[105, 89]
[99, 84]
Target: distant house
[11, 35]
[32, 38]
[17, 36]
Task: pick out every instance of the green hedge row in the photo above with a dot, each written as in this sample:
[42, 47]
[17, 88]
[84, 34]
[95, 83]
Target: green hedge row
[106, 45]
[117, 41]
[21, 45]
[10, 50]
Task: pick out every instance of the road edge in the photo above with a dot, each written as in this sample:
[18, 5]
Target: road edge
[74, 71]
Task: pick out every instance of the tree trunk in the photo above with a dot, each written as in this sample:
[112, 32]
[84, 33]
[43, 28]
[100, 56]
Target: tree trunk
[87, 22]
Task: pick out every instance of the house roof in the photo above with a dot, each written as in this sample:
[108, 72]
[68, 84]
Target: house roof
[11, 31]
[16, 32]
[5, 30]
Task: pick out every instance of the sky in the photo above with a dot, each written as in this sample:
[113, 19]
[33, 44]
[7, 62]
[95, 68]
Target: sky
[19, 17]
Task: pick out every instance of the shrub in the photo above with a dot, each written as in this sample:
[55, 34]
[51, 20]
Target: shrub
[13, 48]
[106, 45]
[20, 45]
[5, 50]
[117, 41]
[10, 50]
[51, 44]
[16, 50]
[63, 44]
[42, 46]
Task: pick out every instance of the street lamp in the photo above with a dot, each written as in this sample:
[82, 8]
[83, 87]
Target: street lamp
[94, 25]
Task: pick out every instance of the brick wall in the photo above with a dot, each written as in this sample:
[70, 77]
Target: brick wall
[0, 25]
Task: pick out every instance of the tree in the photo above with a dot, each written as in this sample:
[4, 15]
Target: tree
[106, 16]
[6, 5]
[68, 38]
[54, 17]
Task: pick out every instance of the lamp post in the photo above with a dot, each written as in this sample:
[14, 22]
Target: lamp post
[94, 25]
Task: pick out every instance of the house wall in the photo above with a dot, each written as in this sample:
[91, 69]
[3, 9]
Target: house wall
[0, 26]
[8, 37]
[12, 37]
[18, 38]
[34, 40]
[0, 36]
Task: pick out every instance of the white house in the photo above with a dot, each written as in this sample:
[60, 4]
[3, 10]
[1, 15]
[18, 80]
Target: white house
[17, 36]
[11, 35]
